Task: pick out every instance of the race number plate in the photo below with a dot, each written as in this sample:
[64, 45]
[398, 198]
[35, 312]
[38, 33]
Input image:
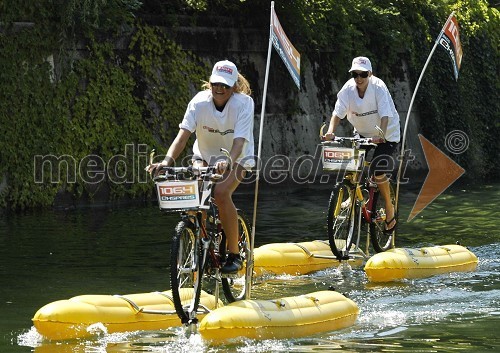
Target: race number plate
[175, 195]
[339, 158]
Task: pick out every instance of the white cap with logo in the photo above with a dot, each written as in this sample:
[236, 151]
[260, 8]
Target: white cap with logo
[224, 72]
[361, 63]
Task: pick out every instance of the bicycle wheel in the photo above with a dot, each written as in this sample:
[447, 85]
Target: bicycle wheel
[235, 288]
[341, 220]
[381, 241]
[185, 271]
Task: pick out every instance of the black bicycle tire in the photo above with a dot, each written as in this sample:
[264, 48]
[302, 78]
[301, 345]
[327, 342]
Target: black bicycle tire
[381, 241]
[227, 283]
[186, 315]
[341, 226]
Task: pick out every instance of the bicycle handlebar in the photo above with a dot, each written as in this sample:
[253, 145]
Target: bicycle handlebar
[355, 141]
[205, 173]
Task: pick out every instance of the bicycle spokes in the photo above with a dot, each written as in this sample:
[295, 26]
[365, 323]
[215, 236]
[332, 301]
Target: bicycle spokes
[185, 270]
[234, 287]
[341, 220]
[380, 238]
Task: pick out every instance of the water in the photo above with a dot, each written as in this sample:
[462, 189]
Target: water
[47, 256]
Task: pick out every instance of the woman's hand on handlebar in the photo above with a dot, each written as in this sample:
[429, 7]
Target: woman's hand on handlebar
[153, 168]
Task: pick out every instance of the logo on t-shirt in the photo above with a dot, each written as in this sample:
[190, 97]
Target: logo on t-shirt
[217, 131]
[367, 113]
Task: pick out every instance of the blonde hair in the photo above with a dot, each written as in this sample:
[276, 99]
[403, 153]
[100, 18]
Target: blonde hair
[241, 86]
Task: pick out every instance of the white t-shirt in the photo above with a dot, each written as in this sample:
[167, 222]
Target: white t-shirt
[366, 113]
[215, 130]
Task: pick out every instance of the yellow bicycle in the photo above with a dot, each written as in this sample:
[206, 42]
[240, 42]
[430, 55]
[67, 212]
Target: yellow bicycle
[355, 201]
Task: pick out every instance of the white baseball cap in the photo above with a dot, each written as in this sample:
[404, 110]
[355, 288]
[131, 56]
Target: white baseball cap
[361, 63]
[224, 72]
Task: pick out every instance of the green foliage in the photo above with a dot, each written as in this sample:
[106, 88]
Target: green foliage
[106, 121]
[89, 131]
[469, 104]
[79, 20]
[169, 75]
[25, 112]
[103, 15]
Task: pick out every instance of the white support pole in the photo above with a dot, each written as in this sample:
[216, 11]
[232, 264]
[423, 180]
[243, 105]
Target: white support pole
[409, 111]
[250, 261]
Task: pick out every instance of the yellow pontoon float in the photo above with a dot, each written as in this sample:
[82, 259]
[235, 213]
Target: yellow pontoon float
[400, 263]
[297, 258]
[299, 316]
[81, 316]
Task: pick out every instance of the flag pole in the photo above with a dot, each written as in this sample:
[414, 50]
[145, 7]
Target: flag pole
[250, 260]
[409, 111]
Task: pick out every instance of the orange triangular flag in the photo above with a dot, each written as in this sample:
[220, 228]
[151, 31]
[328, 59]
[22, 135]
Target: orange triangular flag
[442, 173]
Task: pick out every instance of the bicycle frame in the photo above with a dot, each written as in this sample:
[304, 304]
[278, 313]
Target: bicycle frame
[356, 178]
[349, 203]
[365, 207]
[206, 237]
[198, 245]
[209, 237]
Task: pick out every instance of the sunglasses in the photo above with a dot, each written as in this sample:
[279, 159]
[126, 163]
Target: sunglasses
[220, 85]
[363, 74]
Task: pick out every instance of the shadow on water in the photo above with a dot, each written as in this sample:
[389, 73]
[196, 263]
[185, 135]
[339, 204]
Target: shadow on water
[48, 256]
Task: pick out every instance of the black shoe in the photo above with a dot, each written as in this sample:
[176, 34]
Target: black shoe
[233, 264]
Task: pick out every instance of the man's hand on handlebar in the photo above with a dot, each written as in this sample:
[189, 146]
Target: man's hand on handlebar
[377, 140]
[329, 136]
[221, 167]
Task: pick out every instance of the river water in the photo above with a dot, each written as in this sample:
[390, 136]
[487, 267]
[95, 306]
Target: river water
[122, 249]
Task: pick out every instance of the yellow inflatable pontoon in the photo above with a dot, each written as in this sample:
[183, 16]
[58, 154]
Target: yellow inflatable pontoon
[282, 318]
[401, 263]
[296, 258]
[79, 316]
